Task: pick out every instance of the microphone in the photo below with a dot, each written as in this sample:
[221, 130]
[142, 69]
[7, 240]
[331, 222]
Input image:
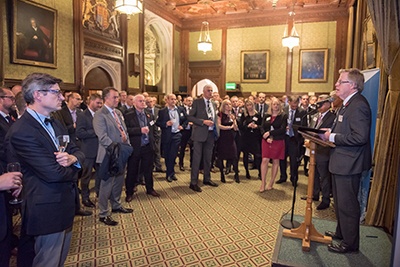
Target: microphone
[320, 103]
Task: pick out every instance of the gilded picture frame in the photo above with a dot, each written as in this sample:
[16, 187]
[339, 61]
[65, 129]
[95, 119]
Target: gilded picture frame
[255, 66]
[313, 65]
[34, 34]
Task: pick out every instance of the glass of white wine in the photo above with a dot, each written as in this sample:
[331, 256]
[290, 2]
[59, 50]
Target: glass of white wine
[14, 167]
[63, 141]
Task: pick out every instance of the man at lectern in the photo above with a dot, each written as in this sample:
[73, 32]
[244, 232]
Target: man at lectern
[351, 156]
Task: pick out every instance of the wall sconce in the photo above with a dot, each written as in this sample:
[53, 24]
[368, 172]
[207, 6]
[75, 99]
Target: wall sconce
[129, 7]
[204, 44]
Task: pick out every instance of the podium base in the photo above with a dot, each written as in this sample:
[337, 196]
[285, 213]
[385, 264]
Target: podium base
[290, 224]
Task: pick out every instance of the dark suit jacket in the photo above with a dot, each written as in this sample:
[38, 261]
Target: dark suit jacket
[322, 152]
[279, 125]
[65, 117]
[300, 119]
[265, 109]
[197, 115]
[49, 189]
[352, 154]
[4, 127]
[163, 117]
[85, 133]
[135, 132]
[157, 130]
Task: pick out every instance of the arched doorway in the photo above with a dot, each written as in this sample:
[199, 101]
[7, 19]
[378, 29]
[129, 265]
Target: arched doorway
[198, 87]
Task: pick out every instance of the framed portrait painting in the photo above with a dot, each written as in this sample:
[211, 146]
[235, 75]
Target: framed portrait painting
[255, 66]
[34, 34]
[313, 65]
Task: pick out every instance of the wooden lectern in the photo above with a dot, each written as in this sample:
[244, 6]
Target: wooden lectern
[306, 230]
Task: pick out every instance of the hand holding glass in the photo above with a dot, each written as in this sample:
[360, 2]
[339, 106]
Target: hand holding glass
[63, 141]
[14, 167]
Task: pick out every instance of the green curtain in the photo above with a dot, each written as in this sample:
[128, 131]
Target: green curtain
[382, 200]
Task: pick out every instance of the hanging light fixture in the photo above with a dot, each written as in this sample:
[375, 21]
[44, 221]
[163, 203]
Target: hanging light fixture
[293, 39]
[204, 44]
[129, 7]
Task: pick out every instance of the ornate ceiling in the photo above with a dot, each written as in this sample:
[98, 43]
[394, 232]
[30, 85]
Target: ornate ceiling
[229, 12]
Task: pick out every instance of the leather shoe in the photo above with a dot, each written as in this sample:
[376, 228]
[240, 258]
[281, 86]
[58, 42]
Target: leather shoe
[182, 168]
[323, 206]
[88, 203]
[108, 221]
[123, 210]
[280, 181]
[332, 234]
[195, 187]
[172, 178]
[210, 183]
[341, 248]
[129, 198]
[153, 193]
[83, 213]
[159, 170]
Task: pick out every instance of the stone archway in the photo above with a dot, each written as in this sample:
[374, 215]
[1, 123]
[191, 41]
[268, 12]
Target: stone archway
[111, 67]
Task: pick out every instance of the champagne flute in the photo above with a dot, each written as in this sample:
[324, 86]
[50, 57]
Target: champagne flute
[63, 141]
[14, 167]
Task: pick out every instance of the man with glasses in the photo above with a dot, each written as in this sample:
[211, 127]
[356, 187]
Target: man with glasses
[205, 131]
[351, 156]
[49, 184]
[7, 105]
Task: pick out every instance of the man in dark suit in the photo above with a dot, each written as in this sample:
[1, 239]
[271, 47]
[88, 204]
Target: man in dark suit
[171, 120]
[49, 181]
[205, 131]
[351, 156]
[322, 176]
[89, 146]
[293, 141]
[140, 125]
[261, 106]
[7, 105]
[110, 128]
[154, 109]
[128, 104]
[186, 133]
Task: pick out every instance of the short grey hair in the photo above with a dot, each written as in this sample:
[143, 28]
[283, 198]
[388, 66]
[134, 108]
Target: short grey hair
[36, 82]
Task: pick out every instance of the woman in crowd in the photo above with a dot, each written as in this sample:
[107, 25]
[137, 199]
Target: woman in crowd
[226, 146]
[273, 130]
[249, 126]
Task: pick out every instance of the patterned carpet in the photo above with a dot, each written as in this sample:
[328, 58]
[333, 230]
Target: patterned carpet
[230, 225]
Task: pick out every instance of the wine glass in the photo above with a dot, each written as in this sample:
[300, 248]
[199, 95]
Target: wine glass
[63, 141]
[14, 167]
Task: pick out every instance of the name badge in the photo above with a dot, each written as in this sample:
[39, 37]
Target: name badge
[315, 119]
[181, 114]
[255, 119]
[240, 115]
[340, 118]
[151, 123]
[268, 119]
[298, 119]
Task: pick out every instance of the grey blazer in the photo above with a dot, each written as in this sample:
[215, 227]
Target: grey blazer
[197, 115]
[106, 129]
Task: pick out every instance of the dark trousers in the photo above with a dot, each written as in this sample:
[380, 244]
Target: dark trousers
[322, 181]
[171, 151]
[347, 208]
[256, 162]
[157, 151]
[87, 174]
[184, 142]
[5, 248]
[202, 151]
[293, 152]
[136, 162]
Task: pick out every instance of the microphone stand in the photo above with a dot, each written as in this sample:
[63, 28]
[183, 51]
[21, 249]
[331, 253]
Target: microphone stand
[291, 224]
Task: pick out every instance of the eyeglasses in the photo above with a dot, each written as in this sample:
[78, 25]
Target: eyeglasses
[53, 91]
[8, 96]
[341, 82]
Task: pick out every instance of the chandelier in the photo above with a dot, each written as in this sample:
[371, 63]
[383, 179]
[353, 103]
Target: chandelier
[204, 44]
[293, 39]
[129, 7]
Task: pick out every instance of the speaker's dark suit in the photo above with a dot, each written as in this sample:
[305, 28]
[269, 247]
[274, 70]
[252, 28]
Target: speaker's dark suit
[5, 211]
[49, 190]
[350, 157]
[143, 155]
[322, 176]
[170, 141]
[293, 146]
[89, 146]
[203, 139]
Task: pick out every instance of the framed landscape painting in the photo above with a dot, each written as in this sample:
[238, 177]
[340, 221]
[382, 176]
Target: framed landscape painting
[313, 65]
[34, 34]
[255, 66]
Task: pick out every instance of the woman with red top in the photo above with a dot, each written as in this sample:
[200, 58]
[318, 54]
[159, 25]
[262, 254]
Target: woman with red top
[273, 130]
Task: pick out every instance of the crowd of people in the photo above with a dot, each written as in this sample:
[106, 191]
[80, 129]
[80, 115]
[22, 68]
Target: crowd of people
[118, 140]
